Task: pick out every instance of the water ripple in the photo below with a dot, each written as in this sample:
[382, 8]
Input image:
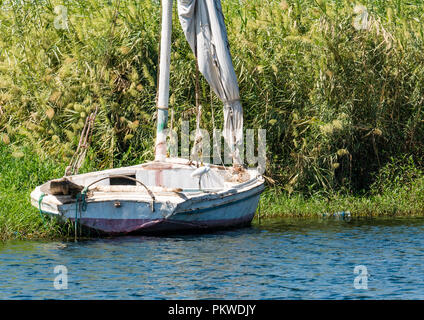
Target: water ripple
[282, 259]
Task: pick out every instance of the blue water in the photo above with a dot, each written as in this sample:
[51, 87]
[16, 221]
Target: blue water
[282, 259]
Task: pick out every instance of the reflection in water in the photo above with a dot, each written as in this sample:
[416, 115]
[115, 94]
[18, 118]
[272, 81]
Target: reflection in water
[279, 259]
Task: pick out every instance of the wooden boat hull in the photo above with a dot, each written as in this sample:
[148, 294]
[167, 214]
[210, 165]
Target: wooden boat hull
[121, 212]
[236, 213]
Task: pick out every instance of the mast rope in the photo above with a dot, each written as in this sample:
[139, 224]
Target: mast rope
[197, 152]
[213, 131]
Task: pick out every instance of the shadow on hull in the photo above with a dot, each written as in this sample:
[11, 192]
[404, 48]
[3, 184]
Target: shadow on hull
[84, 232]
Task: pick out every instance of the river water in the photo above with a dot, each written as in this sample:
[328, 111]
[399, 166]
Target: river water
[278, 259]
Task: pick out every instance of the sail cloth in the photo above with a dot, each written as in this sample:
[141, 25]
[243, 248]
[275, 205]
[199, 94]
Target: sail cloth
[203, 25]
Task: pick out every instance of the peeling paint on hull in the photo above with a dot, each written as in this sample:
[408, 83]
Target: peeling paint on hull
[238, 212]
[126, 209]
[122, 227]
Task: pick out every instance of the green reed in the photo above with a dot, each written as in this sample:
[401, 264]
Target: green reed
[337, 101]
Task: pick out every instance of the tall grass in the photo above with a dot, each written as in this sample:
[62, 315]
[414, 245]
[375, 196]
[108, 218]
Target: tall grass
[402, 197]
[337, 102]
[20, 173]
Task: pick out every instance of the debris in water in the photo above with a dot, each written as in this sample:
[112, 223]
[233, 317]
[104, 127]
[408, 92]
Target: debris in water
[342, 215]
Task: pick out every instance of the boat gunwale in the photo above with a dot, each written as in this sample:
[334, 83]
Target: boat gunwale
[179, 163]
[244, 195]
[52, 201]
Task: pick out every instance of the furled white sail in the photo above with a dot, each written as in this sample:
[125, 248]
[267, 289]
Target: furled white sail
[204, 28]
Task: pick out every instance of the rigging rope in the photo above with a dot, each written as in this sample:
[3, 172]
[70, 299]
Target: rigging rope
[80, 205]
[197, 152]
[42, 195]
[215, 143]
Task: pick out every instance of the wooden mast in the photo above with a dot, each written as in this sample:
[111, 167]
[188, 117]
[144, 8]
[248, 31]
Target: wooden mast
[163, 95]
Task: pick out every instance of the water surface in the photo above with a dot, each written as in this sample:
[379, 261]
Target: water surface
[279, 259]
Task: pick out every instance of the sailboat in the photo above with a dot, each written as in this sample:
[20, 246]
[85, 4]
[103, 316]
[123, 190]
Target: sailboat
[169, 193]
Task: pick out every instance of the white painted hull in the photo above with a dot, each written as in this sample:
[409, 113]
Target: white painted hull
[123, 210]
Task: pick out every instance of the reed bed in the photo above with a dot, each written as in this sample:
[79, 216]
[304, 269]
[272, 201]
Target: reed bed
[338, 86]
[337, 100]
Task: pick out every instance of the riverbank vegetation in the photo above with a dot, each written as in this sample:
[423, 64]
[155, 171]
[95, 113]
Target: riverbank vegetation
[21, 171]
[398, 190]
[338, 86]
